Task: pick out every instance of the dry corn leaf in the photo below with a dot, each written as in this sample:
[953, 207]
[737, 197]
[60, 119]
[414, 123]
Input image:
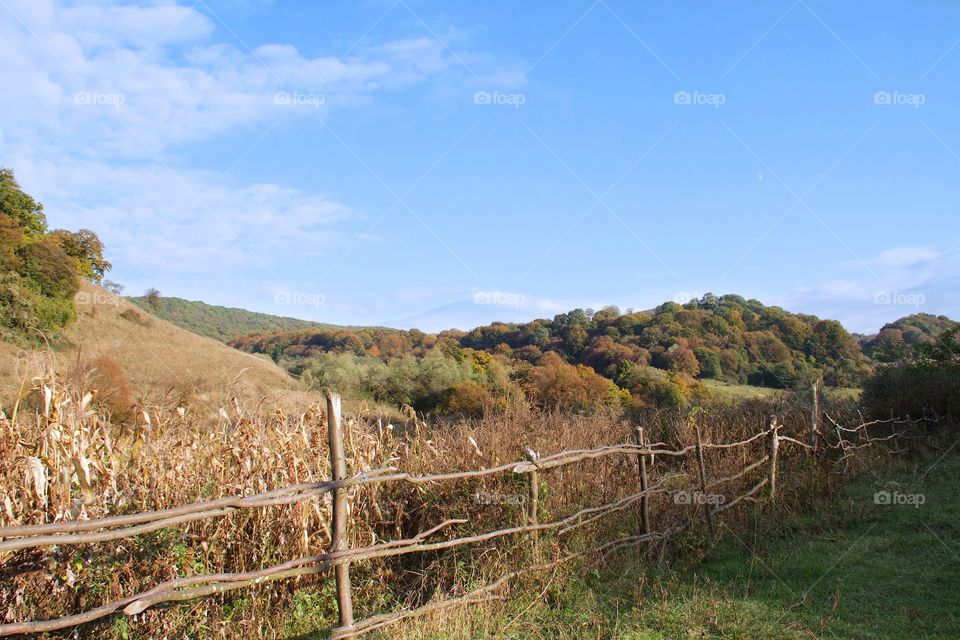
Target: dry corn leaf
[36, 474]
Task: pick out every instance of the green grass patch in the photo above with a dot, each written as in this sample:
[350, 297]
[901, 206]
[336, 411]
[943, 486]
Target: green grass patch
[852, 569]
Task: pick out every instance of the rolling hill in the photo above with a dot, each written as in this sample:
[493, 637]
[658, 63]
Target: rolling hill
[725, 338]
[156, 356]
[220, 323]
[896, 338]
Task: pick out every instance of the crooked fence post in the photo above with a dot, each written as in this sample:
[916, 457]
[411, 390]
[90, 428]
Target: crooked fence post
[644, 482]
[814, 414]
[533, 497]
[338, 528]
[703, 480]
[774, 450]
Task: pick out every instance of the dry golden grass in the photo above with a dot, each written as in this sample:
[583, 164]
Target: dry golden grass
[158, 358]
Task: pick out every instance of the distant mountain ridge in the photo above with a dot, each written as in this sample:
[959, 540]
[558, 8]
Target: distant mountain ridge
[221, 323]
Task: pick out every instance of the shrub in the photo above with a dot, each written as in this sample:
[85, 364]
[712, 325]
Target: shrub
[51, 314]
[49, 267]
[135, 316]
[925, 384]
[555, 384]
[17, 303]
[468, 399]
[113, 390]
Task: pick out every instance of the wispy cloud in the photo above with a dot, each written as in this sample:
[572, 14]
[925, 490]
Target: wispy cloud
[111, 98]
[908, 280]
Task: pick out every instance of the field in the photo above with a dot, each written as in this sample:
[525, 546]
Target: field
[850, 569]
[216, 422]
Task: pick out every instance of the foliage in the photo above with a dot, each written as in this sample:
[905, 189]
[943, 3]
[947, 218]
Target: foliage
[584, 360]
[925, 383]
[87, 249]
[467, 399]
[40, 271]
[457, 381]
[556, 384]
[152, 297]
[738, 341]
[18, 206]
[895, 340]
[50, 269]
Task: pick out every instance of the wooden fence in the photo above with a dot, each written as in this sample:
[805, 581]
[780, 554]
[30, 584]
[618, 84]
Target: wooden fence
[340, 555]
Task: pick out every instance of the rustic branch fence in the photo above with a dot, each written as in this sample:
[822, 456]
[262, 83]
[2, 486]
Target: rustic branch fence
[340, 555]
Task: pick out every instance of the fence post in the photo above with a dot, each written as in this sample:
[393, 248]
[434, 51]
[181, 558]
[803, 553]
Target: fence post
[814, 413]
[644, 482]
[703, 480]
[338, 528]
[533, 497]
[774, 449]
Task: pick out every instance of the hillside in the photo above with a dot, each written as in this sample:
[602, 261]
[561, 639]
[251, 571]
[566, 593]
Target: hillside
[725, 338]
[579, 359]
[220, 323]
[896, 338]
[156, 356]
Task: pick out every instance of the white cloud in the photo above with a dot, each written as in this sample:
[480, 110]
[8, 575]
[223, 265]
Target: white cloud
[187, 223]
[906, 257]
[175, 84]
[900, 281]
[134, 26]
[105, 98]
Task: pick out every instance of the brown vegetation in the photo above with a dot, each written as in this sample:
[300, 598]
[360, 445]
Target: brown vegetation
[70, 462]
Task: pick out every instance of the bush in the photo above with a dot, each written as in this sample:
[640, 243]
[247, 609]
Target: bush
[555, 384]
[17, 303]
[47, 265]
[927, 384]
[468, 399]
[113, 390]
[51, 314]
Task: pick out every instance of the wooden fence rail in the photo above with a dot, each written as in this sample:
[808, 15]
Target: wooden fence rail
[341, 555]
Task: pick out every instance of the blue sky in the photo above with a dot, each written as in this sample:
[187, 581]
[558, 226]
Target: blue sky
[439, 164]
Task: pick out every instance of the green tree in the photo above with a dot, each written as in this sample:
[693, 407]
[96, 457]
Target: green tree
[87, 249]
[48, 266]
[19, 206]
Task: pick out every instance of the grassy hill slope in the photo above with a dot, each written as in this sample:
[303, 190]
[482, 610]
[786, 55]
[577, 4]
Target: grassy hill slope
[155, 355]
[220, 323]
